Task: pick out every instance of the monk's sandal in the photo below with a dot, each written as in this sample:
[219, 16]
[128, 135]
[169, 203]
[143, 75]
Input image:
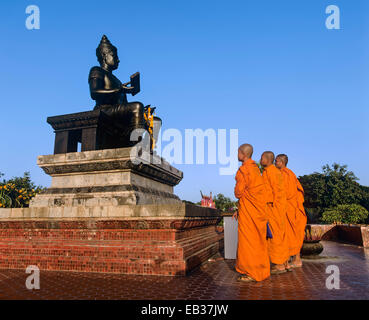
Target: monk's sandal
[246, 279]
[277, 271]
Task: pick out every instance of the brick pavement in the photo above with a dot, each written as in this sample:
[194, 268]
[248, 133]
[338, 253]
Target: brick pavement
[213, 280]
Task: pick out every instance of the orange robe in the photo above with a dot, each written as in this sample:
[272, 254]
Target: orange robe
[276, 214]
[252, 251]
[301, 217]
[296, 217]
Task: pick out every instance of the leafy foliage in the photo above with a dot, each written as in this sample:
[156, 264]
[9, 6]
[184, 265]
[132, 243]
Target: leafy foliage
[365, 199]
[18, 191]
[224, 203]
[345, 213]
[333, 187]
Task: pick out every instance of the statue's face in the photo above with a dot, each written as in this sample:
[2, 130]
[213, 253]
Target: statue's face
[111, 59]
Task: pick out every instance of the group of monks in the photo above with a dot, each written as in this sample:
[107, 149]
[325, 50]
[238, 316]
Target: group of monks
[271, 217]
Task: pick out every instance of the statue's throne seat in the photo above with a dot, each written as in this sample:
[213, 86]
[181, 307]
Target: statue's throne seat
[95, 130]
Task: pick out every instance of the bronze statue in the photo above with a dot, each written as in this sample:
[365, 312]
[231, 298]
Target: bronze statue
[111, 95]
[113, 119]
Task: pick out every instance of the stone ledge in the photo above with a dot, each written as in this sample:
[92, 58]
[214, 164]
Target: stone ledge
[110, 212]
[353, 234]
[95, 224]
[106, 189]
[78, 120]
[110, 160]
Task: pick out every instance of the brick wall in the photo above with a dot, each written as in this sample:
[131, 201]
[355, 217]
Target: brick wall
[155, 247]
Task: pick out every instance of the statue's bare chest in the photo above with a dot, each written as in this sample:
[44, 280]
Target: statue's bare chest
[111, 82]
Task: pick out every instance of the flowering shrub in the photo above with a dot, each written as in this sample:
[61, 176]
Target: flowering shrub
[17, 192]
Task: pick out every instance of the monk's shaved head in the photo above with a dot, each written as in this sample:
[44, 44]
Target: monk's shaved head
[246, 149]
[281, 161]
[267, 158]
[283, 158]
[269, 155]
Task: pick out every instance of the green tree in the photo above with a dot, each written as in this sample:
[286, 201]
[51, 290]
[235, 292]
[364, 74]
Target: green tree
[365, 199]
[223, 203]
[314, 187]
[334, 186]
[345, 213]
[341, 186]
[24, 182]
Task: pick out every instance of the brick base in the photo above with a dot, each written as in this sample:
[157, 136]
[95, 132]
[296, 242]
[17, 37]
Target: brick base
[144, 247]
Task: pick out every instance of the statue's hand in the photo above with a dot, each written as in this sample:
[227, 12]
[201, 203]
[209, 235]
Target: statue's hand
[127, 89]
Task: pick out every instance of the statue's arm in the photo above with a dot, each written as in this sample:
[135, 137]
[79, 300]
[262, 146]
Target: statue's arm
[97, 84]
[97, 90]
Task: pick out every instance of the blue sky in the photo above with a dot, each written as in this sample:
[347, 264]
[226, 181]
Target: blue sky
[271, 69]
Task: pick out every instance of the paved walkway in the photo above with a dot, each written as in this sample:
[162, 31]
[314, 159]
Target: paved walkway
[213, 280]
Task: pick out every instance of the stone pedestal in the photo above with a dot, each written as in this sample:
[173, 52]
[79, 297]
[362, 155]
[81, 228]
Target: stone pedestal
[107, 177]
[106, 213]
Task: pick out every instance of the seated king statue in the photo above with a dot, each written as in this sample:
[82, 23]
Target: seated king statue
[110, 94]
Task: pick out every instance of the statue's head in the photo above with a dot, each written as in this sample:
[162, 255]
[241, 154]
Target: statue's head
[107, 54]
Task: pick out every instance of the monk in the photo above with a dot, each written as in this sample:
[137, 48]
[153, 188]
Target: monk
[252, 252]
[296, 216]
[276, 214]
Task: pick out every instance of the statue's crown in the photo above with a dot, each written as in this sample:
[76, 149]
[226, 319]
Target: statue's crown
[105, 44]
[105, 41]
